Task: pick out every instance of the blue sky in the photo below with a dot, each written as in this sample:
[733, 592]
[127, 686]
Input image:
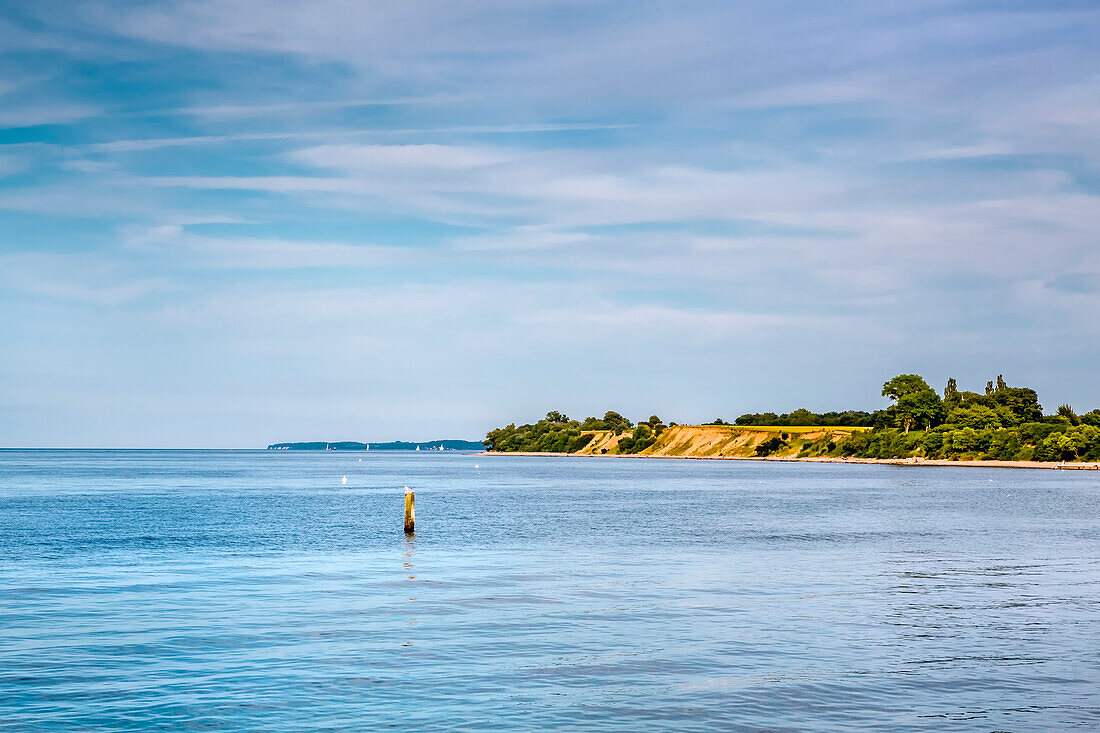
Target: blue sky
[228, 224]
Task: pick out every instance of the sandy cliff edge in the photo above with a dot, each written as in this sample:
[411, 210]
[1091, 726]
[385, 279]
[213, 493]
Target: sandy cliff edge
[734, 442]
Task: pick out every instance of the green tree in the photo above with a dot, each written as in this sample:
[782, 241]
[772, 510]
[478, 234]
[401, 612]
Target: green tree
[580, 441]
[1005, 445]
[978, 417]
[614, 421]
[920, 409]
[931, 443]
[915, 403]
[903, 384]
[802, 416]
[1065, 411]
[642, 437]
[657, 424]
[951, 392]
[1022, 402]
[965, 440]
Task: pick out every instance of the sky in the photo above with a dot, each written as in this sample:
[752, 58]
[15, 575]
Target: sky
[226, 224]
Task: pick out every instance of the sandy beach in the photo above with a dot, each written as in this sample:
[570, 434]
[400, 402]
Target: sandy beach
[1049, 465]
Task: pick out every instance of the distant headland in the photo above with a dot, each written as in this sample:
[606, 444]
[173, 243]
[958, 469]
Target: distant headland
[436, 445]
[1003, 425]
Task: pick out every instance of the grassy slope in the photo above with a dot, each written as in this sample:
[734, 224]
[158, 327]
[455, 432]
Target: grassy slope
[716, 441]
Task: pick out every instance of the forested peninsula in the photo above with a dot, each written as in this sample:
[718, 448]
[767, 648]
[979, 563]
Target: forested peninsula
[1002, 423]
[352, 445]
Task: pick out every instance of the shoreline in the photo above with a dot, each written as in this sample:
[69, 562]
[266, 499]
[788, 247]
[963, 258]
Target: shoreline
[1049, 465]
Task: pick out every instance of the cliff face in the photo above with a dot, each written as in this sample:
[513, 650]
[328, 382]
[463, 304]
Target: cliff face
[718, 441]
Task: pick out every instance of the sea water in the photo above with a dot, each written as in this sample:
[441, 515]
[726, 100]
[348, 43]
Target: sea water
[252, 590]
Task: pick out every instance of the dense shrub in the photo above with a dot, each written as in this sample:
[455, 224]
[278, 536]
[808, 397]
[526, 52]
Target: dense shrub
[771, 445]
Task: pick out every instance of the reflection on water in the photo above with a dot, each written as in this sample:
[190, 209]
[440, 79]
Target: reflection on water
[410, 552]
[253, 590]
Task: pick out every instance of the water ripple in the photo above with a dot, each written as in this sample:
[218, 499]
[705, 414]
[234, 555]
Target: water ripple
[250, 591]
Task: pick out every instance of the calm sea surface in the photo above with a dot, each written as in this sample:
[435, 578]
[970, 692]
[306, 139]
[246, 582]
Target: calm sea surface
[252, 590]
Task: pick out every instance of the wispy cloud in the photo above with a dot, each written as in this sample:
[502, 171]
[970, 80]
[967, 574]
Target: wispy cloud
[250, 110]
[369, 158]
[173, 243]
[457, 200]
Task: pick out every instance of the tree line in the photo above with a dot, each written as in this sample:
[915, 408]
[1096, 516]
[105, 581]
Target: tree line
[1001, 423]
[557, 433]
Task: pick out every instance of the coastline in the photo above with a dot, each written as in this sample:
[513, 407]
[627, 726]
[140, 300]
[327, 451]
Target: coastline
[1049, 465]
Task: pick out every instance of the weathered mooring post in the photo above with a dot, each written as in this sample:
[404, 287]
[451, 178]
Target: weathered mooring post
[410, 513]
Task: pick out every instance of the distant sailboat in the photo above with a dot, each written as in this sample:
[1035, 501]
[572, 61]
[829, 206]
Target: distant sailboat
[418, 447]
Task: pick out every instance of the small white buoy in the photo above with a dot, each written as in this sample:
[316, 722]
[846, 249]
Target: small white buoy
[360, 460]
[476, 466]
[344, 480]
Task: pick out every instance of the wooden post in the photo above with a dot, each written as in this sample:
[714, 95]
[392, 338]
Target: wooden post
[410, 518]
